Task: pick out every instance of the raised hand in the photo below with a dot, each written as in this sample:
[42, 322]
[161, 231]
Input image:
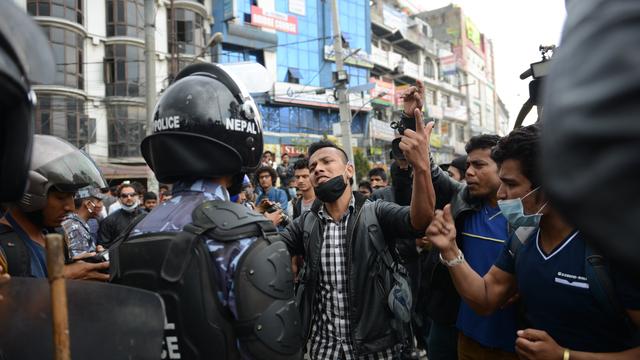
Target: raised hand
[442, 233]
[415, 144]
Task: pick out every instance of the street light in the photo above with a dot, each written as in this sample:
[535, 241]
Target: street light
[213, 41]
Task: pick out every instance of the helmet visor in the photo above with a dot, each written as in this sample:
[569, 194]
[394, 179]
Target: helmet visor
[71, 172]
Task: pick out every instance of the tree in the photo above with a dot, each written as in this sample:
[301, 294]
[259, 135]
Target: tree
[362, 165]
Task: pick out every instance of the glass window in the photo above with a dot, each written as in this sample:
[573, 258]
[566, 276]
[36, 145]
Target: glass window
[429, 70]
[64, 116]
[233, 54]
[125, 18]
[460, 133]
[67, 46]
[127, 125]
[187, 32]
[124, 70]
[69, 9]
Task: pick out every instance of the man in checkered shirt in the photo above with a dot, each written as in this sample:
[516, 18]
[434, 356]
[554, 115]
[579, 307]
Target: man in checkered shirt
[343, 299]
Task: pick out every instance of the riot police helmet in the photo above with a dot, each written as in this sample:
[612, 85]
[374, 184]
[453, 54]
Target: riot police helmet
[205, 124]
[57, 165]
[25, 59]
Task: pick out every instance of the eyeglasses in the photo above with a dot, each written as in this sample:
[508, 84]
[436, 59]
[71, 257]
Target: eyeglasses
[124, 196]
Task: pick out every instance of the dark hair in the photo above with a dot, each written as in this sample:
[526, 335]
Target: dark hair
[283, 155]
[163, 187]
[301, 164]
[149, 195]
[270, 170]
[484, 141]
[522, 144]
[365, 183]
[378, 171]
[325, 144]
[123, 185]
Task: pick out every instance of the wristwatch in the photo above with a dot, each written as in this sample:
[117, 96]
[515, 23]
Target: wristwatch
[451, 263]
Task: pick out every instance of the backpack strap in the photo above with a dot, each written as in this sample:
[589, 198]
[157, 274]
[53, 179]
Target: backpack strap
[602, 288]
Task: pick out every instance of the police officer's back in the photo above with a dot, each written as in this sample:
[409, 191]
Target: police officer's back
[226, 284]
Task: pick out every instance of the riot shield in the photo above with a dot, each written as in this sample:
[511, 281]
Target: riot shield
[106, 321]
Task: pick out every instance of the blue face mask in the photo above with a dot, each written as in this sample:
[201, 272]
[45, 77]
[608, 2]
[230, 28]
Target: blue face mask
[513, 211]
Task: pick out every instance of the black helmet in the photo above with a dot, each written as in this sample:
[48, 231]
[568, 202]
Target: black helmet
[25, 57]
[205, 125]
[57, 164]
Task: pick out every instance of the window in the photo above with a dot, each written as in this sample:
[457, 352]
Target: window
[124, 70]
[460, 133]
[233, 54]
[65, 9]
[293, 76]
[125, 18]
[446, 100]
[187, 32]
[431, 97]
[127, 125]
[429, 69]
[63, 116]
[67, 46]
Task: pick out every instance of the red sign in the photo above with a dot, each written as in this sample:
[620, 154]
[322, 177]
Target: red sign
[274, 20]
[291, 150]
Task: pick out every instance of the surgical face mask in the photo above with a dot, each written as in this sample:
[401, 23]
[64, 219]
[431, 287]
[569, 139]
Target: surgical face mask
[513, 211]
[130, 208]
[331, 190]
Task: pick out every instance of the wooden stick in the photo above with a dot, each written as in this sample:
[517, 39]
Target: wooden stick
[55, 268]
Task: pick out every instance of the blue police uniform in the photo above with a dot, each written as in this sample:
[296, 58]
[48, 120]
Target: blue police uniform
[174, 214]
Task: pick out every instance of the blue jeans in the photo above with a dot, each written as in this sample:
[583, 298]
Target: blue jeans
[442, 342]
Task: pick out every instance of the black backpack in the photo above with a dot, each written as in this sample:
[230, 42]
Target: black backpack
[178, 266]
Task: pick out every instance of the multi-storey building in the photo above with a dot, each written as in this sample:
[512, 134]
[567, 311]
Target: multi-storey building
[405, 51]
[98, 99]
[472, 63]
[294, 41]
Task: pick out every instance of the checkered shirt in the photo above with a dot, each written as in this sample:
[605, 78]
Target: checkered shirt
[331, 330]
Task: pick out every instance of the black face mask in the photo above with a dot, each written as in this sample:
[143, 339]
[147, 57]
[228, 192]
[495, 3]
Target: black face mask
[331, 190]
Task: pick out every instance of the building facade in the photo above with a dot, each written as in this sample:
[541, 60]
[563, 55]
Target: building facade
[294, 41]
[98, 99]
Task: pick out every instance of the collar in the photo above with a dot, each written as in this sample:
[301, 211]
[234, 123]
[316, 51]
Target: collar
[208, 187]
[324, 215]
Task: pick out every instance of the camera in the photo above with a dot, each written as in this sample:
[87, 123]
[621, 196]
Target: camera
[538, 71]
[275, 207]
[401, 125]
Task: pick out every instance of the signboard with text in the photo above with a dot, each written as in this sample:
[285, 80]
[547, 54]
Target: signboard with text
[380, 87]
[274, 20]
[297, 7]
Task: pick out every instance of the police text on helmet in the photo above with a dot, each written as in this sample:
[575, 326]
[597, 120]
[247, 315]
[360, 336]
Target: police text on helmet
[166, 123]
[240, 125]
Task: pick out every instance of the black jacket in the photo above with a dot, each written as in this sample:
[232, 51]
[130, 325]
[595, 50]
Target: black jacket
[115, 224]
[371, 226]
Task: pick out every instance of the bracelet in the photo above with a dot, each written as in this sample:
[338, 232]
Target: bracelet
[566, 355]
[451, 263]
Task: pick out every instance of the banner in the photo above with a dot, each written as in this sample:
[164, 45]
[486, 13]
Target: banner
[274, 20]
[380, 87]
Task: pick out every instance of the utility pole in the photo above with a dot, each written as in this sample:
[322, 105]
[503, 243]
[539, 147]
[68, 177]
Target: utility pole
[150, 73]
[340, 80]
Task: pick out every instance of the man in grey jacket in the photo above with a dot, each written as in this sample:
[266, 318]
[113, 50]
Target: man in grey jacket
[343, 239]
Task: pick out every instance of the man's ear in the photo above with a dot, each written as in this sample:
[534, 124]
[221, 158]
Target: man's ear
[349, 170]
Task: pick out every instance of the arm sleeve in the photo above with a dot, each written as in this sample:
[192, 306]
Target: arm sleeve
[505, 261]
[395, 220]
[292, 235]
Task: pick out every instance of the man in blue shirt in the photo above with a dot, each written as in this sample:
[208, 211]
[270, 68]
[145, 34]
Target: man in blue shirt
[473, 204]
[565, 319]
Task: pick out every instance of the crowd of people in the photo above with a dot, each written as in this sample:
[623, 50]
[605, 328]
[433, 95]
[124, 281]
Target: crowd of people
[255, 258]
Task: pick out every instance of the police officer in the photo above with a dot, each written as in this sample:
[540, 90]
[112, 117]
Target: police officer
[207, 136]
[58, 169]
[25, 58]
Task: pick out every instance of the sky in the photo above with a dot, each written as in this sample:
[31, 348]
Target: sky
[517, 28]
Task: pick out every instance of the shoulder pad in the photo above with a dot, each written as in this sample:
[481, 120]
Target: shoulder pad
[227, 221]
